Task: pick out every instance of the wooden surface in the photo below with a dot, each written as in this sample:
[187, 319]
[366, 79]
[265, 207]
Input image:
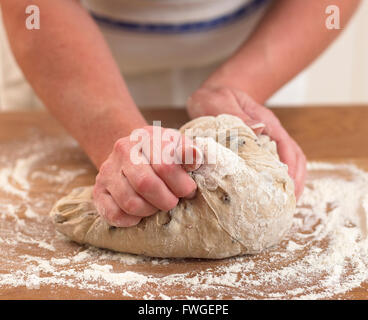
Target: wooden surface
[325, 133]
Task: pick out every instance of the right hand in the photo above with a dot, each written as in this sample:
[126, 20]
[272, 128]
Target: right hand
[125, 192]
[212, 101]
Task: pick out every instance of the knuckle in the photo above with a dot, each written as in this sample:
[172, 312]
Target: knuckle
[131, 205]
[144, 183]
[120, 146]
[149, 129]
[105, 170]
[224, 91]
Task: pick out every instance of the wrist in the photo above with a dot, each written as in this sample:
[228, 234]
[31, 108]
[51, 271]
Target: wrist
[249, 70]
[106, 126]
[235, 81]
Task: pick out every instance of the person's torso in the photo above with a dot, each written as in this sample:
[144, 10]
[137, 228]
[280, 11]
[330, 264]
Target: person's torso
[164, 48]
[151, 35]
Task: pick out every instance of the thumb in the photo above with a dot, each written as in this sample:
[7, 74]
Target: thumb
[189, 155]
[257, 126]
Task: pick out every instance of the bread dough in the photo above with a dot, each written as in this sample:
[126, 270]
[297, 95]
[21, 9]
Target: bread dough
[244, 203]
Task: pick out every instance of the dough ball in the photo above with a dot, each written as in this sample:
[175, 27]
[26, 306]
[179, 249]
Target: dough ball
[244, 203]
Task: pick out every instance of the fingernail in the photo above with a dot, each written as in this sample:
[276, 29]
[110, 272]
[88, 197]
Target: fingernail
[258, 125]
[195, 161]
[192, 195]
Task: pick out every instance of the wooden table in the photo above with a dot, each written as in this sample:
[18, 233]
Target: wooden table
[337, 134]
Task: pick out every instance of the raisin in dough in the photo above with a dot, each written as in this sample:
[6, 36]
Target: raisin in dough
[244, 203]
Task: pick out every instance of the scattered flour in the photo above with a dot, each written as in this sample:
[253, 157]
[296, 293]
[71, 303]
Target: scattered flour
[45, 245]
[325, 254]
[64, 177]
[30, 214]
[22, 169]
[6, 185]
[60, 262]
[81, 256]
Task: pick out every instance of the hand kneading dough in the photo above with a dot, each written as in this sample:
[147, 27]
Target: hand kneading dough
[244, 203]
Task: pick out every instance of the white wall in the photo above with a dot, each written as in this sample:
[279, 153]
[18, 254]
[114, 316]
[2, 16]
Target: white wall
[339, 76]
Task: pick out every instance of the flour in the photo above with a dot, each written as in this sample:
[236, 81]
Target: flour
[46, 245]
[325, 254]
[22, 169]
[261, 205]
[63, 177]
[30, 214]
[6, 186]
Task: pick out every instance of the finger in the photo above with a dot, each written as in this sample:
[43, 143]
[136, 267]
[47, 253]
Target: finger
[146, 183]
[290, 154]
[225, 100]
[176, 179]
[257, 127]
[287, 155]
[169, 169]
[127, 199]
[111, 180]
[109, 211]
[251, 108]
[189, 155]
[142, 178]
[300, 175]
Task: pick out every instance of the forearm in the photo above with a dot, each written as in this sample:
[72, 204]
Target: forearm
[290, 36]
[70, 67]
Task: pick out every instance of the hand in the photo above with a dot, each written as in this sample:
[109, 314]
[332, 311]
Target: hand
[140, 178]
[218, 100]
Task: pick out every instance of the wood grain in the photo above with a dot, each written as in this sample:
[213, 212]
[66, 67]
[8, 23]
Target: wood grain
[337, 134]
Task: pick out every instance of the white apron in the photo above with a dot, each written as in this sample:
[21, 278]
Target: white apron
[164, 48]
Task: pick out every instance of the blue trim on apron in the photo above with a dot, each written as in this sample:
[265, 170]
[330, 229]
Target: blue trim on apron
[247, 9]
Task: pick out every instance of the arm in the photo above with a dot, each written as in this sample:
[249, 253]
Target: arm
[290, 36]
[72, 70]
[70, 67]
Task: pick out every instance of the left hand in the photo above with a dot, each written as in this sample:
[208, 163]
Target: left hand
[212, 101]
